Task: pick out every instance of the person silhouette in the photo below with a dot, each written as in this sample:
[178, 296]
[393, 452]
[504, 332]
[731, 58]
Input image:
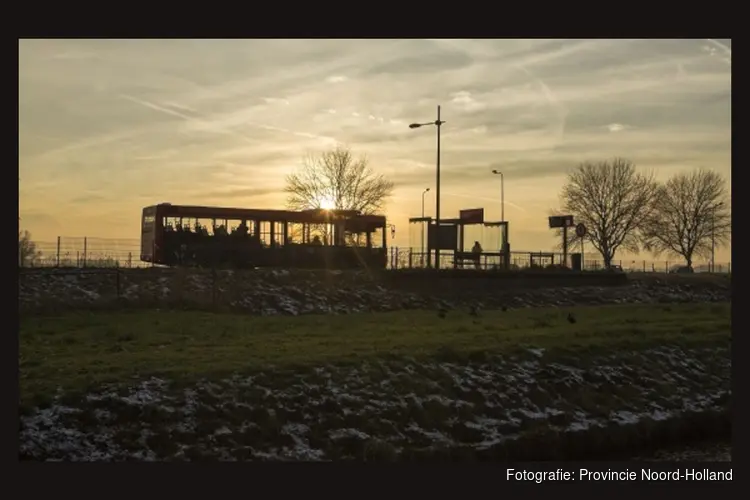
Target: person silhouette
[477, 251]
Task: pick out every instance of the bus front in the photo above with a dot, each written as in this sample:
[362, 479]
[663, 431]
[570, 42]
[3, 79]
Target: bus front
[148, 235]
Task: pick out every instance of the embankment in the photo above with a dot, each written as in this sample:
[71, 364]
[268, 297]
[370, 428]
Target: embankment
[530, 405]
[273, 292]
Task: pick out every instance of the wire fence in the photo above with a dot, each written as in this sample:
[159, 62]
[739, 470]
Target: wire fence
[409, 258]
[87, 252]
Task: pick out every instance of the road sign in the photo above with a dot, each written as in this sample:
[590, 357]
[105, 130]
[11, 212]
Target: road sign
[472, 216]
[581, 230]
[556, 221]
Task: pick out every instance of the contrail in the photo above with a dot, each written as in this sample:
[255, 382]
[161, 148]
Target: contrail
[88, 143]
[549, 95]
[178, 114]
[727, 50]
[207, 123]
[486, 198]
[720, 46]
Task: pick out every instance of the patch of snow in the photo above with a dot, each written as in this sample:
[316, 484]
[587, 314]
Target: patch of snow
[625, 417]
[348, 433]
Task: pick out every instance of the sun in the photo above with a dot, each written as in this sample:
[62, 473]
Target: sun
[327, 204]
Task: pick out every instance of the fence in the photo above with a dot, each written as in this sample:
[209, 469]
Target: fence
[107, 252]
[408, 258]
[88, 252]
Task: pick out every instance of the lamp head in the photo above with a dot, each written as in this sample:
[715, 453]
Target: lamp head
[415, 125]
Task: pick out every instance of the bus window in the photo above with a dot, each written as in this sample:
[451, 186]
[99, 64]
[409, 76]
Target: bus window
[203, 226]
[320, 234]
[376, 238]
[294, 233]
[148, 222]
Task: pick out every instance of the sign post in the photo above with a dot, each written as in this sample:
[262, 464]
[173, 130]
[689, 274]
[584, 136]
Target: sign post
[564, 222]
[581, 233]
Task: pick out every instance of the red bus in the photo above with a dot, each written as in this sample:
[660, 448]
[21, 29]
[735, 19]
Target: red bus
[184, 235]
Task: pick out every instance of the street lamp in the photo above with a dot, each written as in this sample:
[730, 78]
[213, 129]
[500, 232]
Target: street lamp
[427, 190]
[437, 124]
[421, 254]
[502, 194]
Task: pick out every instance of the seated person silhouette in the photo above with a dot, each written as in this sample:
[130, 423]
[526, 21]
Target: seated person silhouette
[476, 250]
[316, 240]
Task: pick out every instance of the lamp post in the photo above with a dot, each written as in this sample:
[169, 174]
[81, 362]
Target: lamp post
[438, 123]
[421, 254]
[502, 194]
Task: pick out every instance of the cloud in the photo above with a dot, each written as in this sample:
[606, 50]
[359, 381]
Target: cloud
[40, 219]
[336, 79]
[240, 192]
[464, 100]
[276, 100]
[211, 120]
[88, 198]
[617, 127]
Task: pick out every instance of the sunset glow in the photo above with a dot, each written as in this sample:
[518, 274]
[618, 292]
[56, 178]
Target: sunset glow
[107, 127]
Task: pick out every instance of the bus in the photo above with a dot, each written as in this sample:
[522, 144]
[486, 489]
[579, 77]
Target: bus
[199, 236]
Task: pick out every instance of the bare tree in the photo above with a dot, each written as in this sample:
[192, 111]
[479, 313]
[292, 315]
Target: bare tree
[28, 253]
[690, 215]
[335, 177]
[612, 199]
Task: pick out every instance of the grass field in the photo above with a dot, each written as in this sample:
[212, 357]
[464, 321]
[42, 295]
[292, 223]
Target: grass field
[517, 384]
[78, 351]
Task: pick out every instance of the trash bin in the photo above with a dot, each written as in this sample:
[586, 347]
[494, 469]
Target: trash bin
[576, 261]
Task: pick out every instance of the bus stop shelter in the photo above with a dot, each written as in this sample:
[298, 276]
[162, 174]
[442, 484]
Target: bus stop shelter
[457, 236]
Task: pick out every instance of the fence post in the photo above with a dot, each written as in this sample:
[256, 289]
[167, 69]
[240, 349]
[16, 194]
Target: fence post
[130, 259]
[85, 247]
[58, 252]
[117, 282]
[395, 262]
[410, 258]
[644, 266]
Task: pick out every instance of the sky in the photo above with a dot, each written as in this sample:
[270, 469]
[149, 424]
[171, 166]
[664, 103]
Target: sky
[107, 127]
